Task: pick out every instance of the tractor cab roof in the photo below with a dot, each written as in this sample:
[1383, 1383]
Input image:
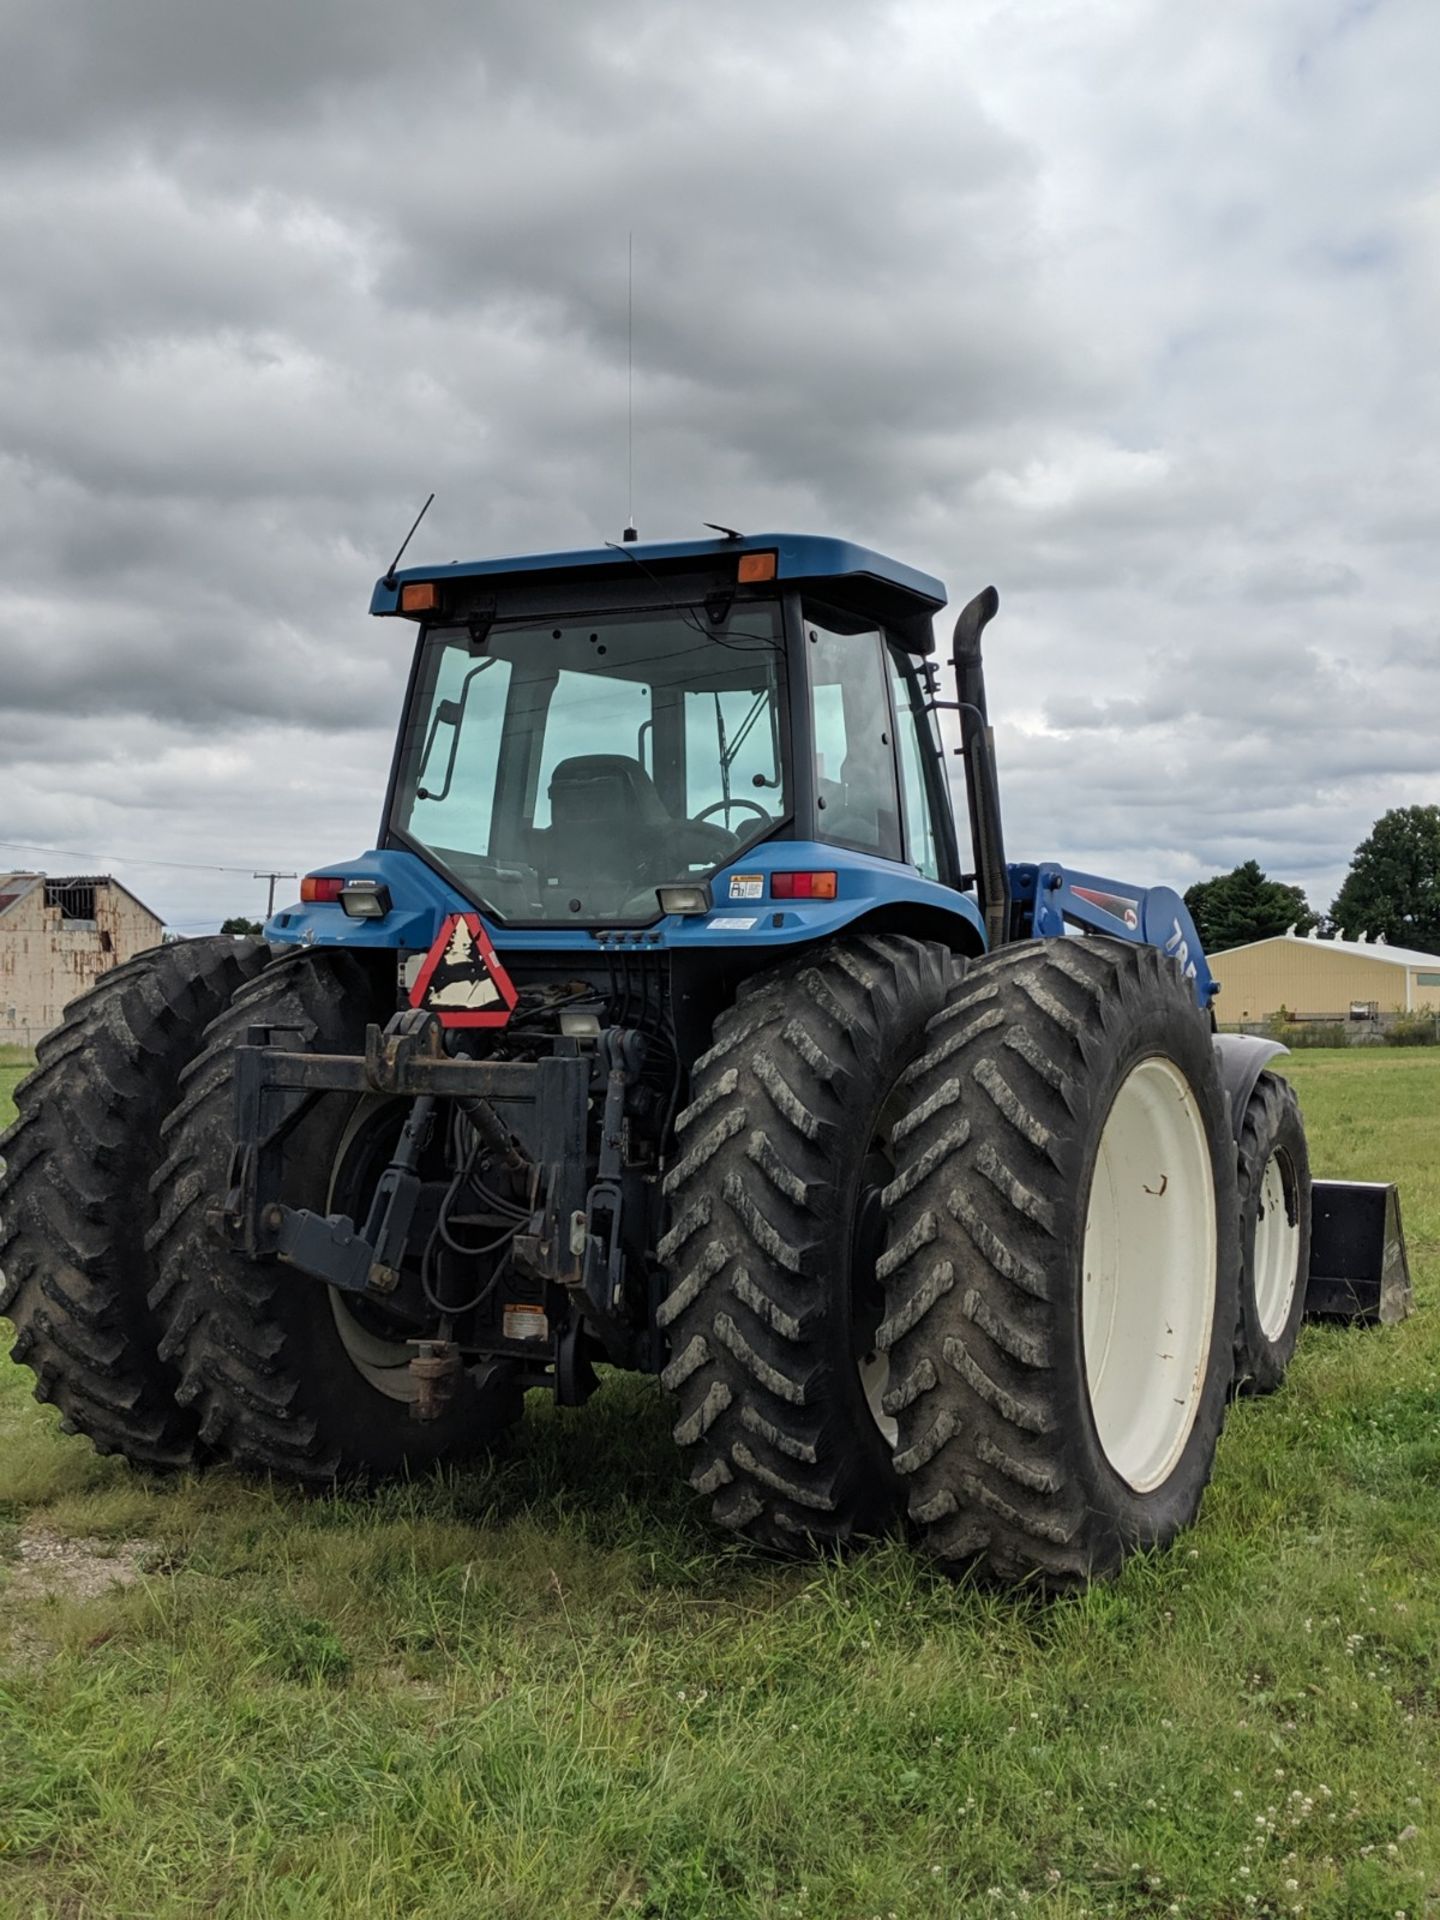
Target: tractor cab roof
[861, 581]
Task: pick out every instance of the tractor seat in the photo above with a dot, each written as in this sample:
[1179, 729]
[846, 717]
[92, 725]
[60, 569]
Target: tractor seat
[607, 785]
[606, 816]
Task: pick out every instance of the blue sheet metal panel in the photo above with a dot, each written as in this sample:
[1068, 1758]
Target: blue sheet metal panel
[422, 900]
[802, 556]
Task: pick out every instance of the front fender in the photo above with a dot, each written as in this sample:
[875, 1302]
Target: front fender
[1242, 1058]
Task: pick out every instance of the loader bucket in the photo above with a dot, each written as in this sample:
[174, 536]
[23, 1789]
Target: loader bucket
[1358, 1268]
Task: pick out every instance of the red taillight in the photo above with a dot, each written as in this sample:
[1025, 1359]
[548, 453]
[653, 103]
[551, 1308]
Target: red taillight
[802, 886]
[320, 889]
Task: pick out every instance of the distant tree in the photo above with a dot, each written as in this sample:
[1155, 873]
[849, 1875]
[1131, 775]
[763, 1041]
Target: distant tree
[239, 926]
[1393, 886]
[1244, 905]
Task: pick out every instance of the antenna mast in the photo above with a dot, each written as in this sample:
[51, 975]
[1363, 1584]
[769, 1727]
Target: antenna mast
[630, 530]
[390, 570]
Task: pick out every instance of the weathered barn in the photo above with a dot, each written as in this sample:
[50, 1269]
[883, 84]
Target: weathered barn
[1323, 979]
[58, 934]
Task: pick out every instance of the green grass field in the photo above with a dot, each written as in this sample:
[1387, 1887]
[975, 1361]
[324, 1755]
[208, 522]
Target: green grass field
[547, 1689]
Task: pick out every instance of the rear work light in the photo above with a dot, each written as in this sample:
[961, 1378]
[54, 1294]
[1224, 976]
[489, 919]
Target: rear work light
[683, 899]
[365, 899]
[802, 886]
[319, 889]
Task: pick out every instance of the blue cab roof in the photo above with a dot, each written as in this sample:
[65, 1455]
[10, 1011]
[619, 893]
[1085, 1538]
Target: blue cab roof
[803, 557]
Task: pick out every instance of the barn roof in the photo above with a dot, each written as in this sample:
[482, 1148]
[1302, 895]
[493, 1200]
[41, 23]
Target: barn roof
[1359, 949]
[14, 886]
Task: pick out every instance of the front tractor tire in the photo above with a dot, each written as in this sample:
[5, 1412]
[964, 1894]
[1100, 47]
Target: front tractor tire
[75, 1202]
[774, 1189]
[1061, 1264]
[1274, 1195]
[280, 1372]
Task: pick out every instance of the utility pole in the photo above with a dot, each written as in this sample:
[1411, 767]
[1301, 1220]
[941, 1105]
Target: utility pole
[272, 878]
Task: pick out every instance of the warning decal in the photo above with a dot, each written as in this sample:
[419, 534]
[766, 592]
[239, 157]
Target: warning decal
[1126, 911]
[462, 980]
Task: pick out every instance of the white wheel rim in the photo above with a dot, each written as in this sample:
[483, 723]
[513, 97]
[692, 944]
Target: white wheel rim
[1148, 1300]
[1276, 1260]
[874, 1379]
[385, 1364]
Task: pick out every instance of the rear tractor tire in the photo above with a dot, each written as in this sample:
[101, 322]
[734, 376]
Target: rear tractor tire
[1274, 1196]
[284, 1374]
[1061, 1264]
[75, 1203]
[774, 1192]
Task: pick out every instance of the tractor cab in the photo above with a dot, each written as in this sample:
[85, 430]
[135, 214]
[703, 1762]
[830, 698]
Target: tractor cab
[586, 732]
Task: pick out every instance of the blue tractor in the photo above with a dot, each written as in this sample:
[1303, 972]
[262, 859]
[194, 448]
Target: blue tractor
[664, 1028]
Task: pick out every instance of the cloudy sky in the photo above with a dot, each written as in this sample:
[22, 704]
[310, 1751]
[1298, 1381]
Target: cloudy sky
[1130, 307]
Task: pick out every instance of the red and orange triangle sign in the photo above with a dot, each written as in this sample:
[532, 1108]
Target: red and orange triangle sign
[462, 981]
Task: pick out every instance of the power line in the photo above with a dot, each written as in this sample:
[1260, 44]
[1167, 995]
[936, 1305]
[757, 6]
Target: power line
[130, 860]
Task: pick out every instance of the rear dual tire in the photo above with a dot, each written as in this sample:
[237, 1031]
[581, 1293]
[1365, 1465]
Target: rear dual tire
[775, 1226]
[75, 1203]
[276, 1370]
[1061, 1264]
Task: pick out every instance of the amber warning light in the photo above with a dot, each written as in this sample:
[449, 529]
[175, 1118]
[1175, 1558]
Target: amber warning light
[419, 596]
[755, 567]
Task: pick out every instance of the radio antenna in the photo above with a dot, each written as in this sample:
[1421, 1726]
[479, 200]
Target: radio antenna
[630, 530]
[390, 570]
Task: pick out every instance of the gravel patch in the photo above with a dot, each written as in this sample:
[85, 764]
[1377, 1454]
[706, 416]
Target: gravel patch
[48, 1564]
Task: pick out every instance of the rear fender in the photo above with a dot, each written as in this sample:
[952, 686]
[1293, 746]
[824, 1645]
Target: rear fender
[745, 916]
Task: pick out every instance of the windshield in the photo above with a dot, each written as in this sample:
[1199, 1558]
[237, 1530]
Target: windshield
[563, 771]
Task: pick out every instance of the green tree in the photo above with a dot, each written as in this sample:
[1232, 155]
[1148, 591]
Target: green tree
[1393, 886]
[1244, 905]
[239, 926]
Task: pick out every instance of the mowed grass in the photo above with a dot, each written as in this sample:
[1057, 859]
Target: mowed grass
[547, 1689]
[14, 1065]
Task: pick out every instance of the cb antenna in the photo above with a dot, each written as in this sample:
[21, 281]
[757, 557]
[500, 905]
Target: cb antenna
[390, 570]
[630, 532]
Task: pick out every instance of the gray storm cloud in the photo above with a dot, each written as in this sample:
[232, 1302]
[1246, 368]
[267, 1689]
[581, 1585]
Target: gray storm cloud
[1130, 308]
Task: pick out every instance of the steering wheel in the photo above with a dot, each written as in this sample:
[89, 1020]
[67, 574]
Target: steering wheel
[726, 806]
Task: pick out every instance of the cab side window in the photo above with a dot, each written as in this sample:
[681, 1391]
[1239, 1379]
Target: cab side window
[916, 745]
[858, 804]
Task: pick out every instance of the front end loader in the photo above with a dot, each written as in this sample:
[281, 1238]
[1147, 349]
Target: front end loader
[664, 1028]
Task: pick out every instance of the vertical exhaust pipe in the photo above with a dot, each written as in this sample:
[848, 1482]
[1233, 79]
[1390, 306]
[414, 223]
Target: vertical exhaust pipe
[982, 786]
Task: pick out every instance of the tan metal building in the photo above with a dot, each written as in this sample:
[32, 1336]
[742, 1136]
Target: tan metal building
[57, 937]
[1323, 979]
